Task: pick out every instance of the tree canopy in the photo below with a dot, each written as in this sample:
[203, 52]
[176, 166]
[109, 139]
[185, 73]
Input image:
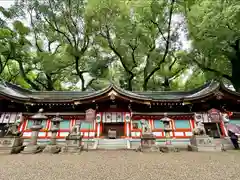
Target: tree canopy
[213, 27]
[139, 45]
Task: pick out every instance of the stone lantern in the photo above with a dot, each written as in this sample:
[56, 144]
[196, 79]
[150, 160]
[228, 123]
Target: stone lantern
[167, 128]
[33, 147]
[147, 142]
[168, 141]
[55, 126]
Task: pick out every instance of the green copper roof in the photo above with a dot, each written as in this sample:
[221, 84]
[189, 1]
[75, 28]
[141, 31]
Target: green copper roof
[15, 92]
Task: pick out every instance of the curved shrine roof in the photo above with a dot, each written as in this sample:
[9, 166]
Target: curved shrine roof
[12, 91]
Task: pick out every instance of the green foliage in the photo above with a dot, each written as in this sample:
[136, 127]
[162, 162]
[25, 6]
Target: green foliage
[135, 44]
[214, 29]
[20, 28]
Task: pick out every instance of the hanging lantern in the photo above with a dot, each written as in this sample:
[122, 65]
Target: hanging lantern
[127, 117]
[98, 118]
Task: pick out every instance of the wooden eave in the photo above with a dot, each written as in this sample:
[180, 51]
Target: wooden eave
[112, 92]
[162, 113]
[26, 96]
[94, 96]
[15, 99]
[229, 92]
[202, 98]
[220, 91]
[60, 113]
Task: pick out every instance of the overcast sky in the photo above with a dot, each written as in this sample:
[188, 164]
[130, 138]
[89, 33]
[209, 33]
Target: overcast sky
[6, 3]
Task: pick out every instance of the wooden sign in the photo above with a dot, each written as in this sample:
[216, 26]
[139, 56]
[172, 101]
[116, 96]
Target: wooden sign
[214, 115]
[90, 115]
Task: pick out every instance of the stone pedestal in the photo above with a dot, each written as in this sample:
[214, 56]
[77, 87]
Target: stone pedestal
[168, 139]
[11, 145]
[31, 149]
[147, 143]
[53, 148]
[202, 143]
[73, 144]
[168, 148]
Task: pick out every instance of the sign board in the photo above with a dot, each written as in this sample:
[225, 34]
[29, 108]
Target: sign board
[90, 115]
[214, 115]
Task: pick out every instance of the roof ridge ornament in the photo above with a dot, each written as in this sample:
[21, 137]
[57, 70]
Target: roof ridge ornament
[112, 94]
[218, 94]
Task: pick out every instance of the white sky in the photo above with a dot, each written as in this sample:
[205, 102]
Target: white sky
[6, 3]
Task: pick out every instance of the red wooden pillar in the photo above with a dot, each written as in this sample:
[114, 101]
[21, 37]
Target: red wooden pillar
[23, 125]
[192, 121]
[173, 127]
[223, 129]
[48, 126]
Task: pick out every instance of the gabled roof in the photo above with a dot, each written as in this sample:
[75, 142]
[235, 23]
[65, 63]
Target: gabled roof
[15, 92]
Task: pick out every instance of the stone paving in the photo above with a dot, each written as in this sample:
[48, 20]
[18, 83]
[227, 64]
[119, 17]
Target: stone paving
[122, 165]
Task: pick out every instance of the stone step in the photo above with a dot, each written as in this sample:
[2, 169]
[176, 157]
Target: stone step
[111, 140]
[208, 149]
[111, 147]
[111, 144]
[119, 144]
[226, 142]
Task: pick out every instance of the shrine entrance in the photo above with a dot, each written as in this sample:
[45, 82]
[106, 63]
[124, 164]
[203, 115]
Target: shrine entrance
[113, 130]
[113, 125]
[3, 129]
[213, 129]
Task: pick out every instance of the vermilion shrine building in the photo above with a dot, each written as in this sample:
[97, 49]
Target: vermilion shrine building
[122, 110]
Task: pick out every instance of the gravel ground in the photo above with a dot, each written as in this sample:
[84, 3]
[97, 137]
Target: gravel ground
[119, 165]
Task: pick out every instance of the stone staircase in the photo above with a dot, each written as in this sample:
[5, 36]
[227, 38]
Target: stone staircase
[206, 143]
[226, 142]
[111, 144]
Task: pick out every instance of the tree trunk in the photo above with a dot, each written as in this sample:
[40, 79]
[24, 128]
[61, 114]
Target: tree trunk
[236, 74]
[235, 62]
[80, 73]
[166, 84]
[145, 85]
[129, 88]
[24, 76]
[49, 83]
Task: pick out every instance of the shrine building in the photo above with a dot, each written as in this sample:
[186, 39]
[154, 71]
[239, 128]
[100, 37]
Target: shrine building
[122, 110]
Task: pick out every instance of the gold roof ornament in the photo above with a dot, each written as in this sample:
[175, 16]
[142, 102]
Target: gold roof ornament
[219, 95]
[112, 94]
[147, 102]
[77, 102]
